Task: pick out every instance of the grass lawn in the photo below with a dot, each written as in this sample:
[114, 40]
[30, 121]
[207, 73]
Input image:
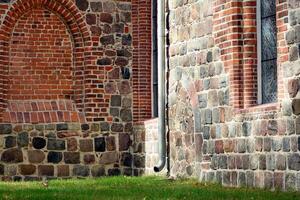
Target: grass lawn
[132, 188]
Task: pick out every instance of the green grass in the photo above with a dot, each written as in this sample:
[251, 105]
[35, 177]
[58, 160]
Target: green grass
[132, 188]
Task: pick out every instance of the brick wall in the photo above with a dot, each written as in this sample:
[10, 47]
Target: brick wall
[218, 133]
[67, 87]
[141, 67]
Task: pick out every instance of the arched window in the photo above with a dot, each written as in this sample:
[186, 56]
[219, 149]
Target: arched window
[267, 51]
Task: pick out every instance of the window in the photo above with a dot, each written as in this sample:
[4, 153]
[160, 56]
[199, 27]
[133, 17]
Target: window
[154, 61]
[267, 51]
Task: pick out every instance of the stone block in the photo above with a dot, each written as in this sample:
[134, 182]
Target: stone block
[23, 139]
[72, 157]
[109, 158]
[5, 129]
[276, 144]
[262, 162]
[124, 141]
[82, 4]
[25, 169]
[253, 161]
[286, 147]
[270, 161]
[38, 142]
[81, 170]
[268, 180]
[241, 179]
[104, 126]
[36, 156]
[280, 162]
[212, 98]
[98, 171]
[296, 106]
[294, 161]
[56, 144]
[86, 145]
[46, 170]
[54, 157]
[290, 181]
[89, 159]
[63, 171]
[72, 144]
[114, 172]
[10, 141]
[99, 144]
[279, 180]
[12, 156]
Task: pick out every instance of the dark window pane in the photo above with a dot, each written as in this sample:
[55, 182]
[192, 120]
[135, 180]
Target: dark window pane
[269, 81]
[268, 8]
[154, 60]
[269, 38]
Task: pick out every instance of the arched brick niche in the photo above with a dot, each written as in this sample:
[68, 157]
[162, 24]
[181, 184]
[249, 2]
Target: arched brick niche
[43, 62]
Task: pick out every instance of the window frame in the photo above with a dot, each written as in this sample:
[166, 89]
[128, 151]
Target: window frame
[259, 46]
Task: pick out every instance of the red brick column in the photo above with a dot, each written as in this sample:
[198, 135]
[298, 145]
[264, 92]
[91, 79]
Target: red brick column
[228, 33]
[141, 18]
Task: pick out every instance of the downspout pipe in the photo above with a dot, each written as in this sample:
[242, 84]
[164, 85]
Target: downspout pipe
[161, 85]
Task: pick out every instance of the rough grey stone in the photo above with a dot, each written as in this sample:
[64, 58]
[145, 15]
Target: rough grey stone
[81, 170]
[290, 37]
[98, 171]
[241, 179]
[249, 178]
[241, 145]
[5, 129]
[290, 181]
[23, 139]
[223, 162]
[104, 126]
[55, 144]
[246, 127]
[286, 147]
[267, 144]
[276, 144]
[280, 162]
[126, 115]
[10, 141]
[270, 161]
[202, 99]
[293, 53]
[254, 160]
[294, 162]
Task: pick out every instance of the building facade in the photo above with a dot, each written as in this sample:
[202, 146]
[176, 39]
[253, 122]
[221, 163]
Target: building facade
[78, 90]
[233, 95]
[71, 72]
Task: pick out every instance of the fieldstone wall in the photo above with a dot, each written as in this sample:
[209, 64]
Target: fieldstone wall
[29, 152]
[215, 136]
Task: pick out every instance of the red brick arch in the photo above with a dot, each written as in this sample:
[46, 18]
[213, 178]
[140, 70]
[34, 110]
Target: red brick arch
[67, 11]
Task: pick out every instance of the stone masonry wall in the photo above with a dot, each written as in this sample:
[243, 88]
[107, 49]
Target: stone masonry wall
[66, 89]
[218, 132]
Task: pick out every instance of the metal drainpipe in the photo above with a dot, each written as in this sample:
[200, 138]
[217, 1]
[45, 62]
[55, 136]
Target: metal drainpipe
[161, 85]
